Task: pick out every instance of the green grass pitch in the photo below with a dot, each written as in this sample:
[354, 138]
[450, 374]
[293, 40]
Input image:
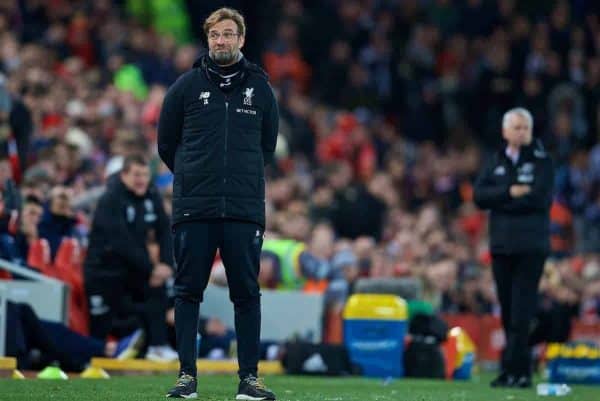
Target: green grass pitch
[287, 388]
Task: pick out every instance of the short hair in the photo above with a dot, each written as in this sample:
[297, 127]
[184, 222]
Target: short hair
[32, 200]
[59, 190]
[131, 160]
[517, 111]
[225, 13]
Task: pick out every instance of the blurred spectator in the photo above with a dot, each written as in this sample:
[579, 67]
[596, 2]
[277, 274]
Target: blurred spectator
[558, 304]
[590, 299]
[335, 72]
[58, 220]
[30, 217]
[291, 265]
[561, 230]
[130, 257]
[473, 293]
[345, 272]
[591, 226]
[352, 210]
[283, 60]
[36, 343]
[15, 130]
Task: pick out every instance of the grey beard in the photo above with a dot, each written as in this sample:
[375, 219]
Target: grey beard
[224, 58]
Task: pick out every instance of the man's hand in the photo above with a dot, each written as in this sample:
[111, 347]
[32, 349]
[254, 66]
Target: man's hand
[160, 274]
[154, 252]
[30, 230]
[517, 190]
[170, 317]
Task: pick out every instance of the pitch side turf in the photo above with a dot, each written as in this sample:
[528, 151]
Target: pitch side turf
[287, 388]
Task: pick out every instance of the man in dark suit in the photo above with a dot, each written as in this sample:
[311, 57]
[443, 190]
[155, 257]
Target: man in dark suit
[516, 186]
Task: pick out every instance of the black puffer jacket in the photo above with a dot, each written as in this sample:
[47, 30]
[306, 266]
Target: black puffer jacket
[517, 225]
[122, 226]
[217, 144]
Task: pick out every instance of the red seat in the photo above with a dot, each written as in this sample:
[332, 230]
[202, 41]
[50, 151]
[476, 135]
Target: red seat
[67, 264]
[78, 312]
[334, 326]
[66, 268]
[38, 257]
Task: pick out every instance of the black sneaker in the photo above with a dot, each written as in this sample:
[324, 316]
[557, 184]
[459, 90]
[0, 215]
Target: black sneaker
[253, 388]
[185, 387]
[503, 380]
[523, 382]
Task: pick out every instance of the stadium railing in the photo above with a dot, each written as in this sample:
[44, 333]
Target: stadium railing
[47, 296]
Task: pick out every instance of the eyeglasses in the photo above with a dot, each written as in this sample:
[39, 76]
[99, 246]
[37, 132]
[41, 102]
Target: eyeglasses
[227, 35]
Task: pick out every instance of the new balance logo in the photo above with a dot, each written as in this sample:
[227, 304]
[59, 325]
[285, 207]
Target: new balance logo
[204, 97]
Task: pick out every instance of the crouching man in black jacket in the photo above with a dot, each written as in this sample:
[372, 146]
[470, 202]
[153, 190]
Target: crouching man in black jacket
[120, 278]
[516, 185]
[218, 128]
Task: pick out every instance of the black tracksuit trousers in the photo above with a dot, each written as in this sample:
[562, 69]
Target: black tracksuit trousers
[195, 244]
[517, 278]
[110, 300]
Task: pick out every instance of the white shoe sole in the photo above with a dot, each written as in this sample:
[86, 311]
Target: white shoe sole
[193, 395]
[249, 398]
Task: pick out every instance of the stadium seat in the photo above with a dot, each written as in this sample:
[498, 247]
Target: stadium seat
[68, 261]
[68, 267]
[78, 313]
[334, 327]
[38, 257]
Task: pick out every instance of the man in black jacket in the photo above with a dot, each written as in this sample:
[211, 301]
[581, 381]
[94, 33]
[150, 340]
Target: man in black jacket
[218, 129]
[118, 268]
[58, 220]
[516, 185]
[16, 127]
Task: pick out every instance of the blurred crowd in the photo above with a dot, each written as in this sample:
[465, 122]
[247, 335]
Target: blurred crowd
[387, 109]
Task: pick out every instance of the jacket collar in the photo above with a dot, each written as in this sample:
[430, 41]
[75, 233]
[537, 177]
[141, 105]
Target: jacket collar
[114, 182]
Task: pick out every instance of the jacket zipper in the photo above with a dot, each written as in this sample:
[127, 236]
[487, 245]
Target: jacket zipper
[225, 153]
